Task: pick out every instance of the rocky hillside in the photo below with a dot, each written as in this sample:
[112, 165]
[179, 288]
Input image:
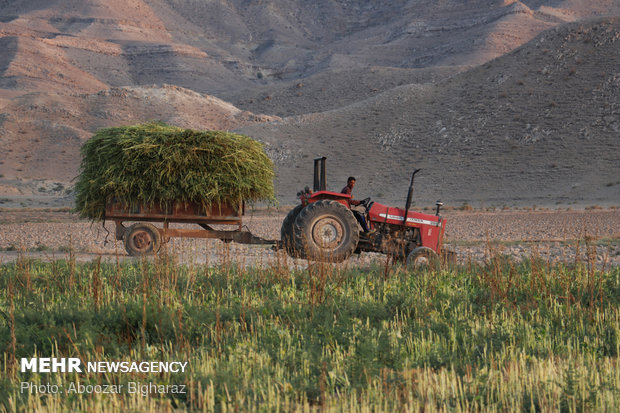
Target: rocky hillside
[540, 125]
[70, 67]
[44, 132]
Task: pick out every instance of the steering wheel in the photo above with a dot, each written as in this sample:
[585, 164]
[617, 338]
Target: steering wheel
[367, 203]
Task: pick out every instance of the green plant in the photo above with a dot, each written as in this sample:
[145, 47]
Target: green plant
[504, 335]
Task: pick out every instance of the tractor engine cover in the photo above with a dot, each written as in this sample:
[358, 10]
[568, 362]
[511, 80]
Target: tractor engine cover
[431, 227]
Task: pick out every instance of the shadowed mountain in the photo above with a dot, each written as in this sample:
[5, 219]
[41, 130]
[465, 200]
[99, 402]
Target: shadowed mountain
[537, 126]
[70, 67]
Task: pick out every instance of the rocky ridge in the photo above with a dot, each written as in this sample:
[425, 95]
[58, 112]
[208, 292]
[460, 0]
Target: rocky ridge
[398, 82]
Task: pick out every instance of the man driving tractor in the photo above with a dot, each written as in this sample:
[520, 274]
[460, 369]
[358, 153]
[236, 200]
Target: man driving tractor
[353, 202]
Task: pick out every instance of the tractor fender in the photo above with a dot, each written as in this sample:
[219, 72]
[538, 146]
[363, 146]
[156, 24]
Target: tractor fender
[333, 196]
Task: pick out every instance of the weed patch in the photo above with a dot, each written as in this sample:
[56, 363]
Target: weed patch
[481, 337]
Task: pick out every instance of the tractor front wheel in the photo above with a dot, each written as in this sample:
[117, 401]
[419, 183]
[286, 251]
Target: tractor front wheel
[326, 230]
[142, 239]
[423, 258]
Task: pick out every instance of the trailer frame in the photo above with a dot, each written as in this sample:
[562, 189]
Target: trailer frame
[146, 238]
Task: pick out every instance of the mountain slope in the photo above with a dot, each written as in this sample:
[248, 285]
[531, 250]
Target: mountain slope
[215, 46]
[69, 67]
[537, 126]
[47, 143]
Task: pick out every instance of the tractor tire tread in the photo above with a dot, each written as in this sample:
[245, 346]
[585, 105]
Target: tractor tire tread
[312, 213]
[287, 231]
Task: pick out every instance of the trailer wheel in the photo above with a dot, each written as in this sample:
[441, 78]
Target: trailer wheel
[326, 230]
[142, 239]
[287, 231]
[423, 258]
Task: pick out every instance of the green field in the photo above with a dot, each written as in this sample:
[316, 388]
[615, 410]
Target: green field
[503, 336]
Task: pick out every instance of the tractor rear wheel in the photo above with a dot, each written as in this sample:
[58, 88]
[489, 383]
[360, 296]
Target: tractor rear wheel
[287, 231]
[423, 258]
[142, 239]
[326, 230]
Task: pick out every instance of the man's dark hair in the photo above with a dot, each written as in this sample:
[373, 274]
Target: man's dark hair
[351, 178]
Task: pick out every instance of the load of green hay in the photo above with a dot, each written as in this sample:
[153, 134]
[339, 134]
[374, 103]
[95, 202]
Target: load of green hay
[155, 163]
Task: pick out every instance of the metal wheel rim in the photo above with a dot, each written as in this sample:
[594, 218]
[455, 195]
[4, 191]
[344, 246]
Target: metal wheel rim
[328, 233]
[141, 240]
[421, 261]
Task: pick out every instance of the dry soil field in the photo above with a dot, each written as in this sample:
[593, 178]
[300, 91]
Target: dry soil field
[551, 234]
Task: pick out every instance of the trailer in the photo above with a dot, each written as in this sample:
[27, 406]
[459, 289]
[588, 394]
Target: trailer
[143, 238]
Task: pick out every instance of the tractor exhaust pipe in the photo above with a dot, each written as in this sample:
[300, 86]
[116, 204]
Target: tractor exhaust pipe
[320, 175]
[410, 195]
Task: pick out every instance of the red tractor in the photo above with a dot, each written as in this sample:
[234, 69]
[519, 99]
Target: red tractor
[323, 227]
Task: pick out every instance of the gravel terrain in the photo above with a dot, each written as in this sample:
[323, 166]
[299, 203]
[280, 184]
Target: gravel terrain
[552, 235]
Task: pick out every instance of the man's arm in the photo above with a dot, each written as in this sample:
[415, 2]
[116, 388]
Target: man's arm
[347, 190]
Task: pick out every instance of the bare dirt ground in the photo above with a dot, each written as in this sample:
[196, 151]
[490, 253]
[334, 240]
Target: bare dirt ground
[474, 235]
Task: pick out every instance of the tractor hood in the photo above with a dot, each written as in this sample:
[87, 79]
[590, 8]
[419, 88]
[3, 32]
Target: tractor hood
[431, 226]
[392, 215]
